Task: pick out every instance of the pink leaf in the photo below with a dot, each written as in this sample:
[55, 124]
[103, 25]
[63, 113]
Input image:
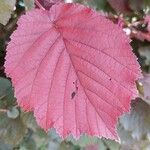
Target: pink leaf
[74, 68]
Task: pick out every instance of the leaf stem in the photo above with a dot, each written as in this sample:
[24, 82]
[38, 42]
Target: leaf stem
[39, 5]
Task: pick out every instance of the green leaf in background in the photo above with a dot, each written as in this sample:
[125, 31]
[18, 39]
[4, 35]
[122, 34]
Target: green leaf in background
[28, 143]
[101, 143]
[134, 127]
[68, 146]
[6, 8]
[35, 134]
[29, 120]
[29, 4]
[147, 5]
[6, 93]
[96, 4]
[136, 5]
[54, 140]
[12, 131]
[145, 53]
[4, 146]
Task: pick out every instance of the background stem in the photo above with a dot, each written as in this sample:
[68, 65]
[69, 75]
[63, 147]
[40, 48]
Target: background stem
[39, 5]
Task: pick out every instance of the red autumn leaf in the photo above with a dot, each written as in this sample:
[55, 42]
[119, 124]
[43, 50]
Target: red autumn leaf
[74, 68]
[120, 5]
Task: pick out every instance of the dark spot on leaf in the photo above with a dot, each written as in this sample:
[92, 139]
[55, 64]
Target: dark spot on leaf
[73, 95]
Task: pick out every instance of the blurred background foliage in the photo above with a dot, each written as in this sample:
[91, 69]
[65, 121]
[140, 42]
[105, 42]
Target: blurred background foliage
[18, 129]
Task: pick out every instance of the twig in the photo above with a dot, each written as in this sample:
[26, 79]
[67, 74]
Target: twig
[3, 110]
[1, 97]
[39, 5]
